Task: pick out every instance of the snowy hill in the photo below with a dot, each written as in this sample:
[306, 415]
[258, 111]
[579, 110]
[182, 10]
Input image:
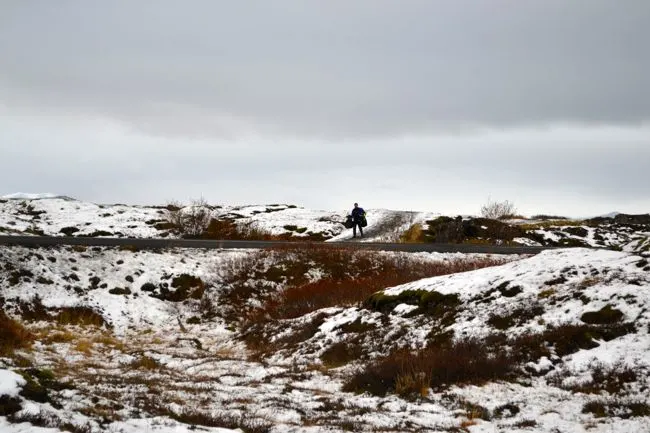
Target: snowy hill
[31, 196]
[40, 214]
[61, 216]
[311, 339]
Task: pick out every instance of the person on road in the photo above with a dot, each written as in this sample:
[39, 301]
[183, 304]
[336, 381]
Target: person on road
[358, 219]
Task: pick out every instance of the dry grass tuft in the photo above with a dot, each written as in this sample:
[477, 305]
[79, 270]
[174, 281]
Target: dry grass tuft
[145, 362]
[84, 346]
[13, 335]
[413, 234]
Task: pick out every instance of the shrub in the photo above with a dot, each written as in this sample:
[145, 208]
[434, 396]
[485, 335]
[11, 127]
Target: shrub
[341, 353]
[545, 217]
[187, 287]
[404, 372]
[474, 230]
[509, 292]
[254, 232]
[498, 210]
[506, 410]
[445, 363]
[69, 231]
[189, 221]
[517, 317]
[263, 342]
[119, 291]
[228, 229]
[38, 419]
[428, 301]
[36, 311]
[196, 217]
[39, 383]
[609, 378]
[98, 233]
[606, 315]
[9, 405]
[148, 287]
[356, 327]
[173, 215]
[617, 408]
[13, 335]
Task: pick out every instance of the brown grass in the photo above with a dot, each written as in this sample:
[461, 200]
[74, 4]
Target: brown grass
[145, 362]
[83, 316]
[84, 346]
[413, 234]
[13, 335]
[35, 311]
[109, 341]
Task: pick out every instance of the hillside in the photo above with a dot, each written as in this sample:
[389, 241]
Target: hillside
[309, 339]
[61, 216]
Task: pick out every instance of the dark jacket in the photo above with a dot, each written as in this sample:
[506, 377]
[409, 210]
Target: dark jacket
[358, 214]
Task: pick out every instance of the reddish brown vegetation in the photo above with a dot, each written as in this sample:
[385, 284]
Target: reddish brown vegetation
[346, 277]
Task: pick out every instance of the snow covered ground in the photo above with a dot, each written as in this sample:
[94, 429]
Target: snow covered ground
[151, 347]
[167, 341]
[57, 216]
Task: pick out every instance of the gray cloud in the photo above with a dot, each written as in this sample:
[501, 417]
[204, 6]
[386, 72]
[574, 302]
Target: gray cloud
[405, 104]
[560, 170]
[330, 69]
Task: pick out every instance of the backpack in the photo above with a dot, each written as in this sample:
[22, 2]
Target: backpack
[348, 222]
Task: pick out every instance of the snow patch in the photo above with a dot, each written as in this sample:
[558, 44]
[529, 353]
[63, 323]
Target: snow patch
[10, 383]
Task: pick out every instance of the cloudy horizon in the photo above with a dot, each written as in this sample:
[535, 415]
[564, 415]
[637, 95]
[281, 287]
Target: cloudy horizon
[412, 105]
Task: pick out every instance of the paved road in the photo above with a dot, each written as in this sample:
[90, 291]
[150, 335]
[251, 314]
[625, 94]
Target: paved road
[217, 244]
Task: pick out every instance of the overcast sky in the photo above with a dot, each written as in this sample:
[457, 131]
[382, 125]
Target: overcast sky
[416, 105]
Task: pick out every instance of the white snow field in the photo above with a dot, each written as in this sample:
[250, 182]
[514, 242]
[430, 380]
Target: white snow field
[180, 340]
[53, 215]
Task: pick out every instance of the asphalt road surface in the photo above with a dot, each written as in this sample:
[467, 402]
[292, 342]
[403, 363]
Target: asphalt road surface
[226, 244]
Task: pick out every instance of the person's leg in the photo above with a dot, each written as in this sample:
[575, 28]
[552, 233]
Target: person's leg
[360, 230]
[354, 230]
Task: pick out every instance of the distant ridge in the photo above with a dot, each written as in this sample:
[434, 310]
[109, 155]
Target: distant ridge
[34, 196]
